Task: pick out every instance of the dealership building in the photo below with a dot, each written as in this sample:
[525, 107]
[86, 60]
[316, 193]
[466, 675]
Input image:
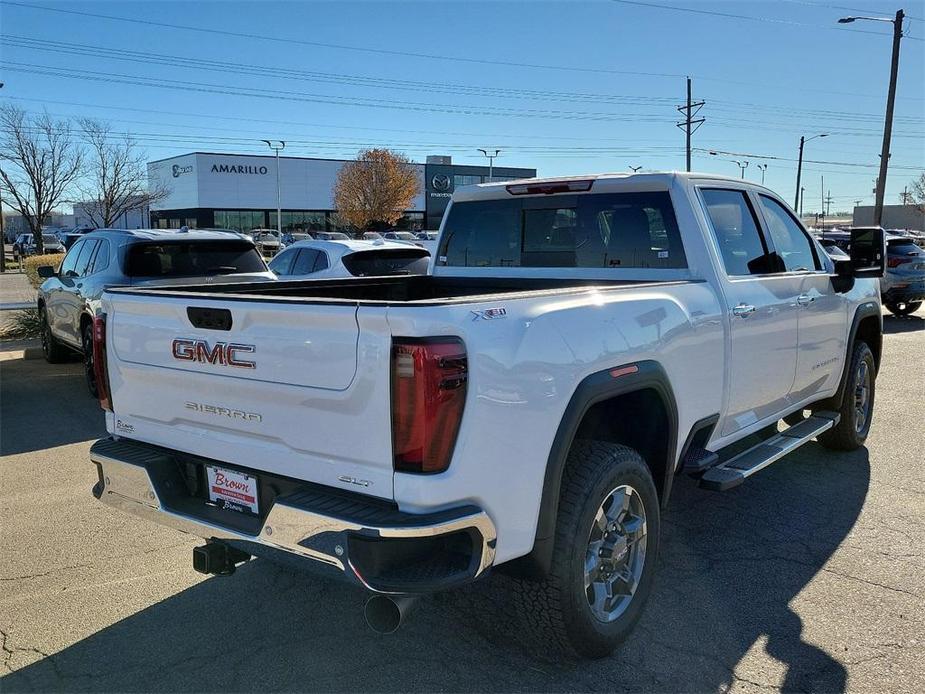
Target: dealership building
[238, 191]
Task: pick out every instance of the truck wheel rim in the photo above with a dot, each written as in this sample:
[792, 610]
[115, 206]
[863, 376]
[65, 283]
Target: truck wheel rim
[861, 397]
[616, 553]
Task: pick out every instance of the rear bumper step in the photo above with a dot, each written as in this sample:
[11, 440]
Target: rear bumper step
[369, 541]
[736, 470]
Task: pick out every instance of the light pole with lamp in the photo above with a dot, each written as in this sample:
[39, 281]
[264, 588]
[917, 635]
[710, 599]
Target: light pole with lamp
[276, 146]
[890, 100]
[635, 169]
[803, 141]
[741, 164]
[763, 168]
[491, 160]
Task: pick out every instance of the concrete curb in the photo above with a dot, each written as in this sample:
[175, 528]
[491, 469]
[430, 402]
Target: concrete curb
[33, 353]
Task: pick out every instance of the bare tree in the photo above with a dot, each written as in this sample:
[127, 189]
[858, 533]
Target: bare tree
[116, 179]
[39, 163]
[376, 188]
[917, 194]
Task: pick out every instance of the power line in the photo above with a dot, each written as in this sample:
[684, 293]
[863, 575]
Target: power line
[750, 18]
[288, 95]
[343, 47]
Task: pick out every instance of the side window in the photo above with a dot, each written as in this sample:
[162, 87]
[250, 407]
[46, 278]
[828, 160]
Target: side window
[790, 241]
[283, 262]
[69, 263]
[83, 260]
[305, 263]
[101, 259]
[321, 262]
[736, 230]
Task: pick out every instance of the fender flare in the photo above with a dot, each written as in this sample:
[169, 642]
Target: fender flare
[866, 310]
[595, 388]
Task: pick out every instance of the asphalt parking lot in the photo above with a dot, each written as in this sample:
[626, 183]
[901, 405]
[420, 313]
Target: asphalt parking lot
[810, 577]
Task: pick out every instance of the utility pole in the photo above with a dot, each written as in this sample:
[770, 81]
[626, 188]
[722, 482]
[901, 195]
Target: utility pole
[906, 195]
[491, 160]
[280, 144]
[822, 196]
[828, 203]
[890, 101]
[2, 239]
[803, 141]
[690, 125]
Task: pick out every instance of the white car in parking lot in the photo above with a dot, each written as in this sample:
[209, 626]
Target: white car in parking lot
[330, 259]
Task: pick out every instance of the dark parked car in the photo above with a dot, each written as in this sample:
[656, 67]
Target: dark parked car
[69, 298]
[903, 285]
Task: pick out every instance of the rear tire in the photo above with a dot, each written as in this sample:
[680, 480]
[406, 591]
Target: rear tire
[857, 406]
[89, 373]
[902, 308]
[54, 351]
[604, 553]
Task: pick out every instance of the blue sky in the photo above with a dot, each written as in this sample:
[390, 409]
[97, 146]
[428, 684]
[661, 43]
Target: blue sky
[566, 87]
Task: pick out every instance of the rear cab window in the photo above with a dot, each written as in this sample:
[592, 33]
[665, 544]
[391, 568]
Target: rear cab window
[595, 230]
[192, 259]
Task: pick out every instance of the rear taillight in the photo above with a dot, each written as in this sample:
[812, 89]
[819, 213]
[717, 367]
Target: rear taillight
[428, 395]
[896, 261]
[99, 362]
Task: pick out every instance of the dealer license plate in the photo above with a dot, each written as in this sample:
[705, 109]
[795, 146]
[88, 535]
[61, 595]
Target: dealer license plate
[232, 490]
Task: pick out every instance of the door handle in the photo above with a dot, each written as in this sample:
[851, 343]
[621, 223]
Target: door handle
[742, 310]
[805, 299]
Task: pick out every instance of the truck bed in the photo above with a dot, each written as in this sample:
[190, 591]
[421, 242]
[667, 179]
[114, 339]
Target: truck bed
[383, 291]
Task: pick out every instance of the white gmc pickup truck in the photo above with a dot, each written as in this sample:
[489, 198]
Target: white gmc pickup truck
[525, 406]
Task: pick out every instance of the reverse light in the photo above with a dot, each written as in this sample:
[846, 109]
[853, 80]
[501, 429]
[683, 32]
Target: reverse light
[429, 378]
[550, 187]
[100, 372]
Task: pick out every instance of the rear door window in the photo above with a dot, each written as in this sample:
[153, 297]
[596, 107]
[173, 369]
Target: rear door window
[86, 255]
[305, 263]
[192, 259]
[601, 230]
[735, 227]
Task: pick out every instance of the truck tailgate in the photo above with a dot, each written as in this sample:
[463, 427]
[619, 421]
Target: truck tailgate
[280, 389]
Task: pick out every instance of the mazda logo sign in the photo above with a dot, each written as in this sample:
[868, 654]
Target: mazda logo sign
[440, 182]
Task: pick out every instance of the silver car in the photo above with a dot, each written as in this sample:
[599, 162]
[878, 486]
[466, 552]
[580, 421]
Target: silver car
[69, 298]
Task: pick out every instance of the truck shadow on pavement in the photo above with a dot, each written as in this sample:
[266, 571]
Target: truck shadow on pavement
[730, 566]
[45, 406]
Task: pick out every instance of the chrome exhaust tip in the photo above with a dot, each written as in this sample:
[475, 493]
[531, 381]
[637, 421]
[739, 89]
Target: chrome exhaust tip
[385, 613]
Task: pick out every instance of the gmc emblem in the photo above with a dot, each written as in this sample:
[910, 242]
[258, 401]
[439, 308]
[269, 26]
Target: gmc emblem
[223, 353]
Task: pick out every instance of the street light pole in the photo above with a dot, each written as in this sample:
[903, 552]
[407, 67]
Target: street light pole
[890, 101]
[763, 168]
[281, 144]
[742, 165]
[803, 140]
[491, 160]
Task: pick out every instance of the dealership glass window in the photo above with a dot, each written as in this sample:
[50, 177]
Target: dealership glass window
[300, 220]
[239, 220]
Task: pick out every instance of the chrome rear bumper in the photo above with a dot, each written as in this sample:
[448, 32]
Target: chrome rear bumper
[143, 480]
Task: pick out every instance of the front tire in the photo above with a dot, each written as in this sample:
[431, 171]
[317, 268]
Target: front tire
[902, 308]
[604, 553]
[89, 372]
[857, 406]
[54, 351]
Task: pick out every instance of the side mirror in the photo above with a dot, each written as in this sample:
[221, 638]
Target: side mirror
[868, 252]
[45, 271]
